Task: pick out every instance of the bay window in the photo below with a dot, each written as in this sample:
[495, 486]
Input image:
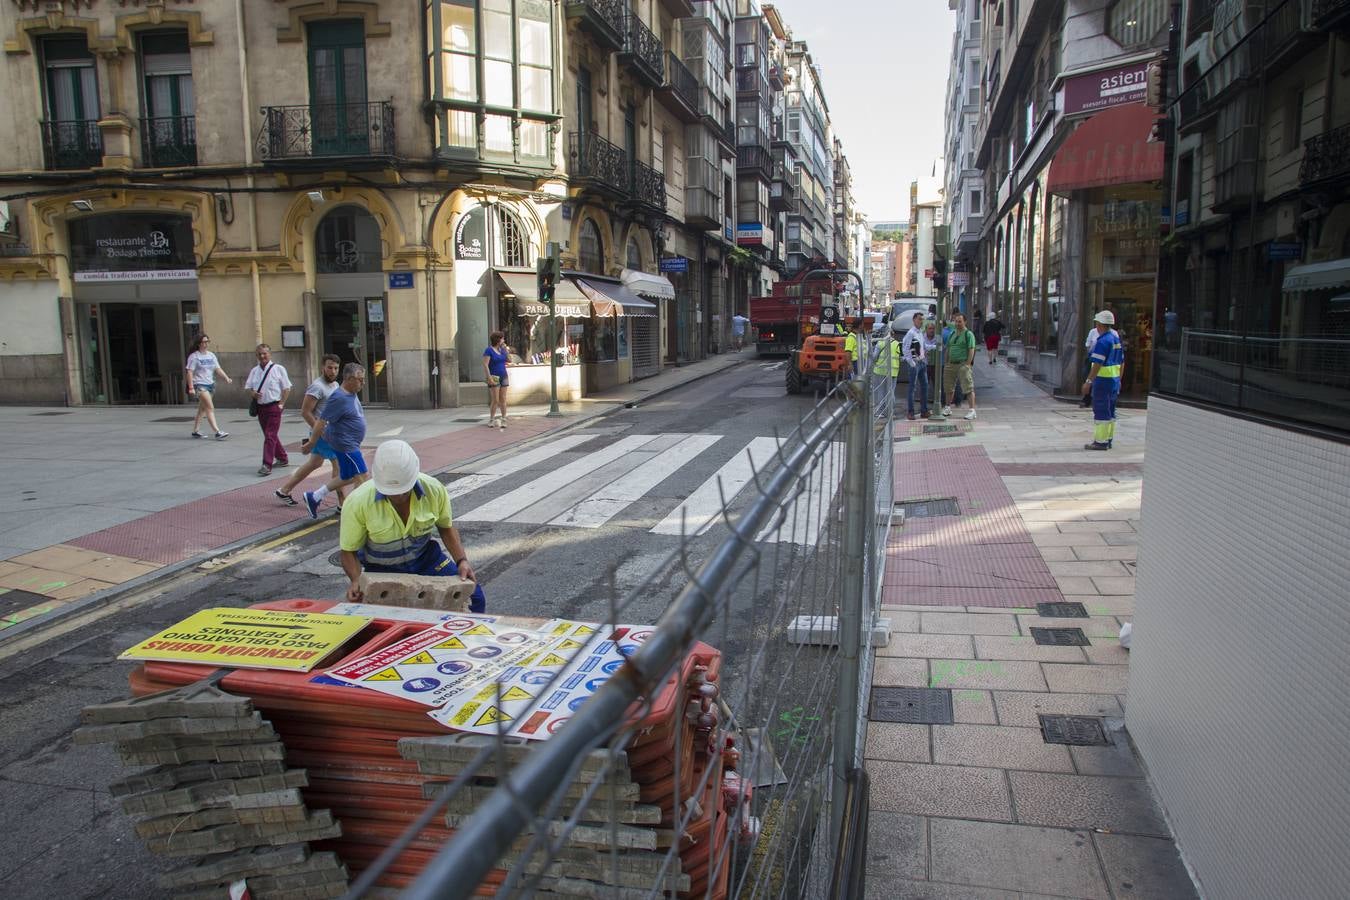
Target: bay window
[490, 67]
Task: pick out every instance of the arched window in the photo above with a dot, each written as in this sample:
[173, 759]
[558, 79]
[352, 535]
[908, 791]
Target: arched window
[634, 260]
[590, 250]
[512, 240]
[348, 240]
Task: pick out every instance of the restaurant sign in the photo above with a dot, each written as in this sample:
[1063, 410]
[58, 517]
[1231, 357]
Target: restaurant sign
[132, 247]
[1104, 89]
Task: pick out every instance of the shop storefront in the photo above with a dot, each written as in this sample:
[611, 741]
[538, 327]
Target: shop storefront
[524, 322]
[137, 305]
[353, 305]
[649, 331]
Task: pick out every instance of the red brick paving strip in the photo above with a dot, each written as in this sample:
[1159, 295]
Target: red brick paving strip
[182, 532]
[984, 557]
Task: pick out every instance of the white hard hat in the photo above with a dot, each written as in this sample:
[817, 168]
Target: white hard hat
[1106, 317]
[395, 468]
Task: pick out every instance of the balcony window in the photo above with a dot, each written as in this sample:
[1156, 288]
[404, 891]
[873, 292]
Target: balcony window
[70, 134]
[168, 132]
[348, 240]
[491, 68]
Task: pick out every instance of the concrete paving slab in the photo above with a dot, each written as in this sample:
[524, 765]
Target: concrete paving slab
[998, 747]
[1023, 707]
[896, 672]
[1005, 675]
[897, 742]
[1016, 857]
[1108, 527]
[1096, 605]
[1116, 760]
[1087, 679]
[1058, 554]
[931, 790]
[1094, 552]
[1058, 539]
[1093, 626]
[968, 623]
[1144, 867]
[897, 844]
[902, 621]
[1086, 801]
[1075, 585]
[892, 887]
[1023, 647]
[927, 646]
[1105, 567]
[1107, 651]
[1123, 539]
[971, 707]
[1108, 585]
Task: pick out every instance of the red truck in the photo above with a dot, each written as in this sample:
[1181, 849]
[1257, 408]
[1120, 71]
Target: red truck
[780, 321]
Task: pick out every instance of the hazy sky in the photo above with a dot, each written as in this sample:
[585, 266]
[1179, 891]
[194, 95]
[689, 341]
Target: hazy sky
[884, 69]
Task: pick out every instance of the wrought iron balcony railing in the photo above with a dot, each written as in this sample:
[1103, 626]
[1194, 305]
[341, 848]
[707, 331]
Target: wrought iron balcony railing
[168, 141]
[680, 89]
[1326, 156]
[72, 144]
[327, 130]
[1326, 13]
[649, 187]
[643, 51]
[604, 19]
[594, 160]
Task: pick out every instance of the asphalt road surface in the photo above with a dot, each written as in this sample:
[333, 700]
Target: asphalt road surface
[570, 525]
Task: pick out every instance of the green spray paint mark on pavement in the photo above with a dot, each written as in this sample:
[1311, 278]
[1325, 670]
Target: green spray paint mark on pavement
[793, 719]
[945, 672]
[973, 696]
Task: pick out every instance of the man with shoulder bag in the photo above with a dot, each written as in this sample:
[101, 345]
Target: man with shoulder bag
[270, 386]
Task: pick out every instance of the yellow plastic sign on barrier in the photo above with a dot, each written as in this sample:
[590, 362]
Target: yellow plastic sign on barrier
[251, 639]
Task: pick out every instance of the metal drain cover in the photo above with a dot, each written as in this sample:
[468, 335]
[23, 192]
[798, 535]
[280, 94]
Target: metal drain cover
[1059, 637]
[1061, 611]
[940, 429]
[174, 419]
[914, 706]
[56, 413]
[1080, 731]
[926, 509]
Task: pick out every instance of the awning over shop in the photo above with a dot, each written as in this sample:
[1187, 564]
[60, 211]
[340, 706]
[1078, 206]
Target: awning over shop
[645, 284]
[610, 297]
[1112, 147]
[1318, 276]
[568, 300]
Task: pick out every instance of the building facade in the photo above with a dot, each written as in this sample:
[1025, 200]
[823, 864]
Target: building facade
[171, 185]
[964, 184]
[927, 230]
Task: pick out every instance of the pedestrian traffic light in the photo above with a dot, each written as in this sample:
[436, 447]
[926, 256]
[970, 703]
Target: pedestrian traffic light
[939, 274]
[547, 272]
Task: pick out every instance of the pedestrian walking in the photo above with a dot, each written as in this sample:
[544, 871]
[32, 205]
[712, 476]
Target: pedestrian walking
[202, 368]
[496, 357]
[342, 423]
[1103, 381]
[915, 351]
[318, 392]
[993, 335]
[960, 357]
[738, 323]
[389, 525]
[270, 386]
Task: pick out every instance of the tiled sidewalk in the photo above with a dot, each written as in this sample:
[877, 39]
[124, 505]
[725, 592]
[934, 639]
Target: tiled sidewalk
[985, 807]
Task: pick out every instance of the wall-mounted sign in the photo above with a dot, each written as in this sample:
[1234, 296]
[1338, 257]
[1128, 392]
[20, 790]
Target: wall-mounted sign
[293, 337]
[132, 247]
[1102, 90]
[471, 235]
[673, 264]
[750, 234]
[1284, 250]
[400, 280]
[958, 279]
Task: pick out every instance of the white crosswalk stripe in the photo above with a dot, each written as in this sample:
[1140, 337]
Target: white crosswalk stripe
[704, 506]
[811, 510]
[613, 498]
[509, 465]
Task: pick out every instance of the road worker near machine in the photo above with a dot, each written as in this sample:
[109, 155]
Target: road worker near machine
[888, 353]
[389, 524]
[1103, 381]
[853, 342]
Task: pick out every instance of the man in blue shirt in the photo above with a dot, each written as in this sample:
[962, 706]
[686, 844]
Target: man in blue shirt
[1103, 381]
[342, 425]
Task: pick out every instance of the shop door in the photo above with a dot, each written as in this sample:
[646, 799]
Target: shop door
[337, 89]
[354, 331]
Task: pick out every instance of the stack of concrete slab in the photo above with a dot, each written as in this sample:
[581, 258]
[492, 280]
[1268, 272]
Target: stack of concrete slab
[219, 795]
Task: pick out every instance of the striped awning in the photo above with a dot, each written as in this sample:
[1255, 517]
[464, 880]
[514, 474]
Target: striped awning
[568, 300]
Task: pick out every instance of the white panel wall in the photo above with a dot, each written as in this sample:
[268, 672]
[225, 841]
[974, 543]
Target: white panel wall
[1239, 696]
[30, 320]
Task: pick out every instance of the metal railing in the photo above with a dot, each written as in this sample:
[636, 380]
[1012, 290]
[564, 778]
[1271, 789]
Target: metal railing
[681, 81]
[1325, 156]
[604, 18]
[594, 159]
[327, 130]
[643, 49]
[804, 555]
[1327, 12]
[755, 158]
[168, 141]
[648, 187]
[72, 144]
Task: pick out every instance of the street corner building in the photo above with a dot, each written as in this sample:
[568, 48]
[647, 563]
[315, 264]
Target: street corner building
[372, 180]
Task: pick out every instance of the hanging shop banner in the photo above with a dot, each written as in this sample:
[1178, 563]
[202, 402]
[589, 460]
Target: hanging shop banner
[1101, 90]
[750, 234]
[673, 264]
[251, 639]
[471, 235]
[132, 246]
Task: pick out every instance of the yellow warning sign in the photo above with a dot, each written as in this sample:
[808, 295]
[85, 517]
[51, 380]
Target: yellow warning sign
[516, 693]
[389, 674]
[422, 659]
[251, 639]
[479, 629]
[491, 716]
[452, 644]
[465, 714]
[584, 629]
[569, 644]
[553, 659]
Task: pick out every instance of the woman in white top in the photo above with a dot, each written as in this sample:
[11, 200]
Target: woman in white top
[202, 368]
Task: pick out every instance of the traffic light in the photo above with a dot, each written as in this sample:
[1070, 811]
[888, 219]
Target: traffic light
[547, 270]
[939, 274]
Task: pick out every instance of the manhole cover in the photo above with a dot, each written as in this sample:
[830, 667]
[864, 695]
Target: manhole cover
[57, 413]
[1080, 731]
[13, 601]
[474, 419]
[335, 558]
[939, 429]
[1061, 610]
[1059, 637]
[926, 509]
[914, 706]
[174, 419]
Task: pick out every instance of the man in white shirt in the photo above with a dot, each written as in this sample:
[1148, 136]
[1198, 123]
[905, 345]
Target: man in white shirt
[915, 349]
[269, 386]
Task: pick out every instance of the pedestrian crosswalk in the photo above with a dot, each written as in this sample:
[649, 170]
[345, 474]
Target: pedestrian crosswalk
[591, 489]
